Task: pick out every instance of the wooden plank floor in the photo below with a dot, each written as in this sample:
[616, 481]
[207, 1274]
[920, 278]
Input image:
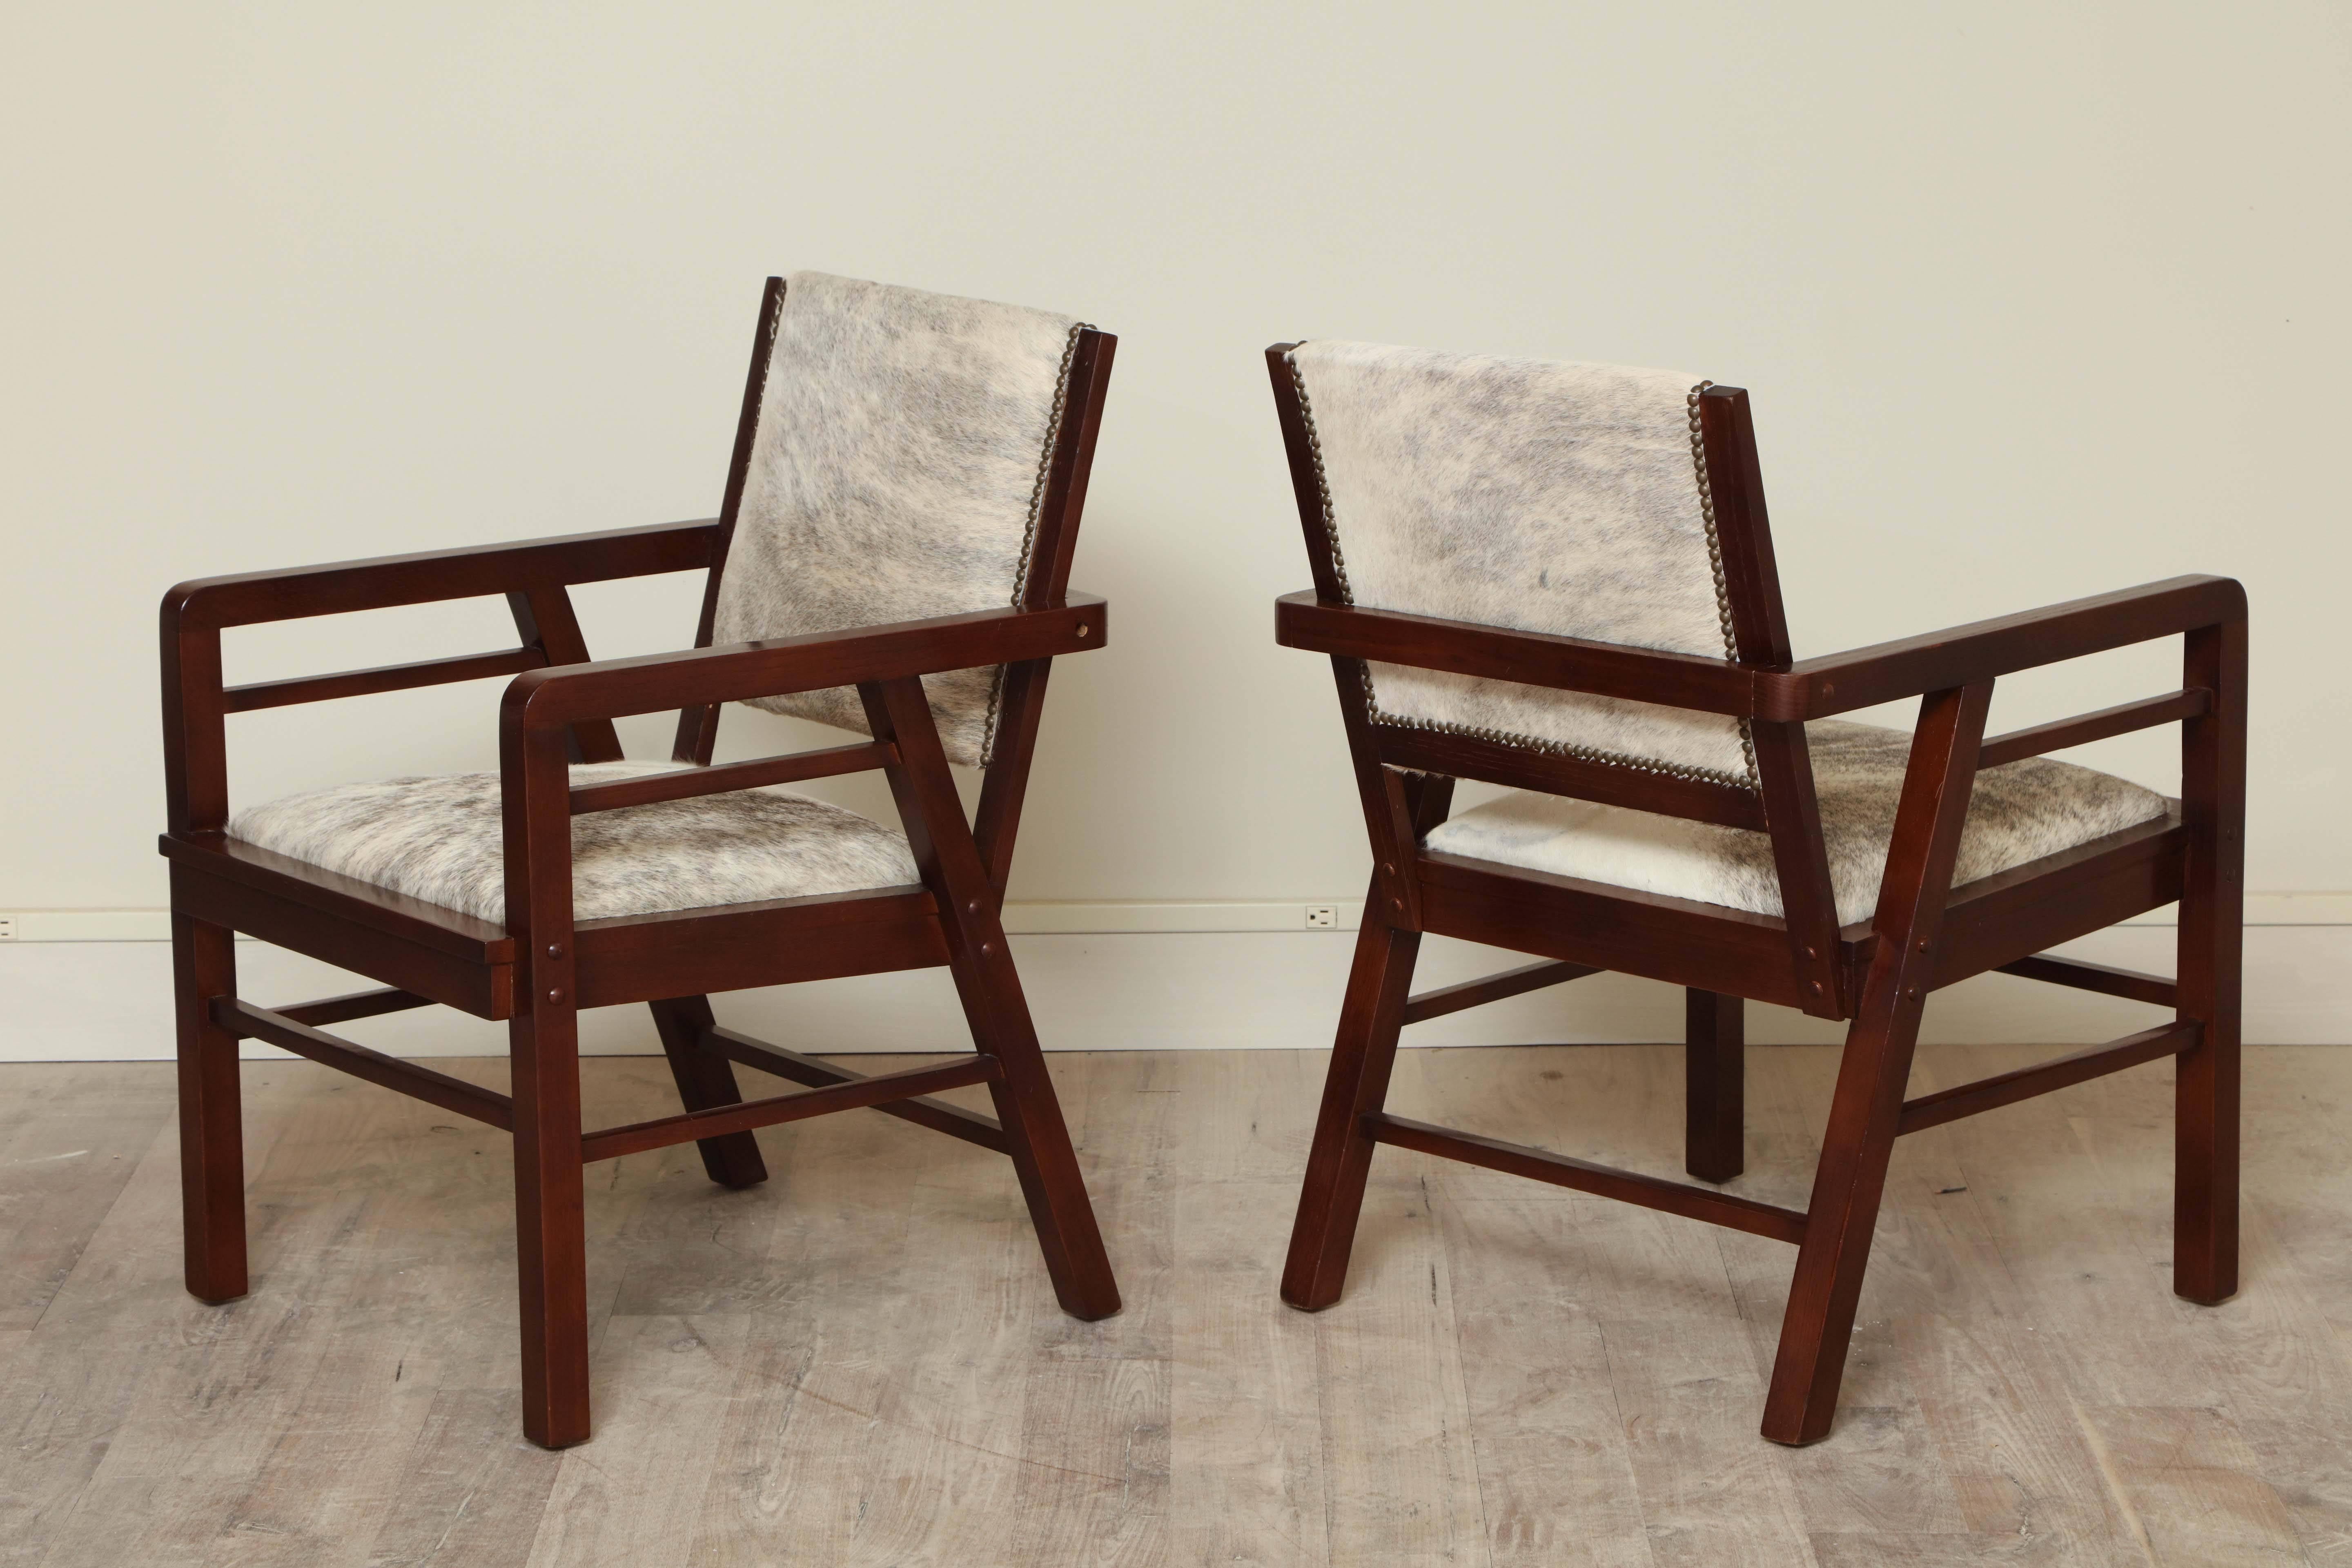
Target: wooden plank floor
[861, 1362]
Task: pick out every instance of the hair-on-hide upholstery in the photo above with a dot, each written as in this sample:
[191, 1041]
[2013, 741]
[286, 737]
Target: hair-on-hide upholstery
[441, 838]
[1543, 496]
[2018, 811]
[895, 473]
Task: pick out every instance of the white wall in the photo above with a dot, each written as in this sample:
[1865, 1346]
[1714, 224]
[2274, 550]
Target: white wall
[2035, 301]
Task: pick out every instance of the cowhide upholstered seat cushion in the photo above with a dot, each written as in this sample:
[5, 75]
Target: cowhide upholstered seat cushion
[441, 839]
[2017, 813]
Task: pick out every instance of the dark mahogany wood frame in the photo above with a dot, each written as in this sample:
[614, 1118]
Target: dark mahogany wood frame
[1875, 974]
[542, 967]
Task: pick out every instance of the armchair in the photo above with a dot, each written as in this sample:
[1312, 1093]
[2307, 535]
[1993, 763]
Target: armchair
[571, 879]
[1559, 578]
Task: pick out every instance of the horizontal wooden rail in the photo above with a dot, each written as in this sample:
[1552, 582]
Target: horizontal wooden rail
[248, 1021]
[2008, 1088]
[384, 678]
[1842, 682]
[687, 783]
[2121, 719]
[357, 1005]
[435, 575]
[1606, 1181]
[565, 694]
[611, 1142]
[1500, 653]
[2130, 984]
[1494, 988]
[1491, 762]
[936, 1114]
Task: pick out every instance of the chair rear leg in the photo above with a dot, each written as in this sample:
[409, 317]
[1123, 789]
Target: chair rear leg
[1847, 1186]
[1715, 1079]
[211, 1134]
[550, 1228]
[1868, 1106]
[1364, 1054]
[706, 1081]
[2212, 917]
[1035, 1135]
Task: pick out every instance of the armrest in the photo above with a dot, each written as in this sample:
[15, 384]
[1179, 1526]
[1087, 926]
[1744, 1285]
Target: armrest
[1840, 683]
[1531, 658]
[211, 602]
[561, 695]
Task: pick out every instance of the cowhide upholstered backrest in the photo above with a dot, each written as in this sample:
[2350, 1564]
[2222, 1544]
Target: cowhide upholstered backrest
[1561, 497]
[896, 466]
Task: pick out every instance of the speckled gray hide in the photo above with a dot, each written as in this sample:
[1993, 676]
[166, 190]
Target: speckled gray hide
[2019, 812]
[1542, 496]
[440, 838]
[896, 474]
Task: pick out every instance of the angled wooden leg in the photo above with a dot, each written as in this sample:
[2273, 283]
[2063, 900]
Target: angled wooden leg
[969, 900]
[1039, 1140]
[1357, 1085]
[706, 1080]
[1714, 1078]
[1847, 1186]
[1868, 1104]
[551, 1230]
[212, 1136]
[2213, 916]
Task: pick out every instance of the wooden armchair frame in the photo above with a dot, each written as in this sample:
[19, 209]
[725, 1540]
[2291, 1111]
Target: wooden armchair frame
[537, 971]
[1875, 974]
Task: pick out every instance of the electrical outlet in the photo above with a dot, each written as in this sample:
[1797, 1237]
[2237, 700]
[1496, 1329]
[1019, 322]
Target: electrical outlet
[1321, 917]
[7, 927]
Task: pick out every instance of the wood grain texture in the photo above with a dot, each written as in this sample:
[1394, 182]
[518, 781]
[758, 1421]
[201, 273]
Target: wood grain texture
[860, 1362]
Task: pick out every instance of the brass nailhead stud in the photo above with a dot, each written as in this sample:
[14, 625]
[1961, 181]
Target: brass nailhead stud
[1085, 630]
[554, 950]
[1811, 953]
[972, 907]
[986, 948]
[554, 994]
[1816, 987]
[1388, 869]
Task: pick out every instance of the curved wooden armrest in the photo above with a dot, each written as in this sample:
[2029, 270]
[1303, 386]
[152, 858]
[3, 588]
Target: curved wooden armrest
[1301, 620]
[1840, 683]
[568, 694]
[249, 598]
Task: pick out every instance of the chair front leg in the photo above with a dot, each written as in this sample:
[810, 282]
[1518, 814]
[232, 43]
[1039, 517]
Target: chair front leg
[706, 1081]
[1331, 1198]
[1868, 1106]
[211, 1134]
[551, 1224]
[2211, 938]
[543, 1038]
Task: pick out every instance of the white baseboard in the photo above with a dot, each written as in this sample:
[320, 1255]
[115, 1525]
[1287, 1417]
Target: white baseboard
[1108, 918]
[1166, 987]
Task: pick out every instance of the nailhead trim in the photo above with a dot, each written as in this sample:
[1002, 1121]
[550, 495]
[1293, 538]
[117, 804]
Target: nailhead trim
[1715, 564]
[1029, 535]
[1510, 738]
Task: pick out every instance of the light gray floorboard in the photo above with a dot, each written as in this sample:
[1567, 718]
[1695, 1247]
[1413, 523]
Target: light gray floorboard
[861, 1362]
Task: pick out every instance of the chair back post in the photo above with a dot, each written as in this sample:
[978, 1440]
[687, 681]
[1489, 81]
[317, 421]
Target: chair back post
[1399, 806]
[1005, 783]
[1759, 634]
[698, 728]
